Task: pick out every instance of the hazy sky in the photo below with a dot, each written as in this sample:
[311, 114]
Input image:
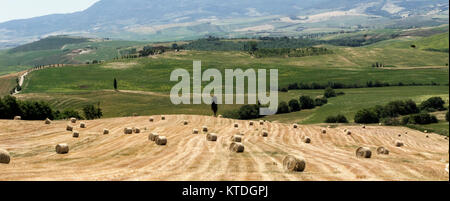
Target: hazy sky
[21, 9]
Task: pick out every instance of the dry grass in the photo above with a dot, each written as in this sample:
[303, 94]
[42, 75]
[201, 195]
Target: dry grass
[187, 157]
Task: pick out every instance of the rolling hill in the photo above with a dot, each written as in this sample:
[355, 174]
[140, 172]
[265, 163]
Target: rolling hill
[190, 157]
[168, 20]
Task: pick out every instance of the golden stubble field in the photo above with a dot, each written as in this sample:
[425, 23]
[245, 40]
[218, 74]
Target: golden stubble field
[190, 157]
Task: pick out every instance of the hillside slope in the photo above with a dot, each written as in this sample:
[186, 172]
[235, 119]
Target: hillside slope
[176, 19]
[116, 156]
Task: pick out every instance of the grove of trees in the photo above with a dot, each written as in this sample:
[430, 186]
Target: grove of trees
[412, 114]
[40, 110]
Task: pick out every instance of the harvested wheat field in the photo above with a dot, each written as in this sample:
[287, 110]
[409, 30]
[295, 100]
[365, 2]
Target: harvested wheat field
[117, 156]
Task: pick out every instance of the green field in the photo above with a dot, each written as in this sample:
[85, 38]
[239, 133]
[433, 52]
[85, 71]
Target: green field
[145, 85]
[438, 42]
[98, 50]
[7, 83]
[356, 99]
[153, 74]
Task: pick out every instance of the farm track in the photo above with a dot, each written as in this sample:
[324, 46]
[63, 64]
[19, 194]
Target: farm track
[187, 156]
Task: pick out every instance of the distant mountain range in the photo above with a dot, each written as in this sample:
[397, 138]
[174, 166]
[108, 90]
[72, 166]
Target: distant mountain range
[164, 20]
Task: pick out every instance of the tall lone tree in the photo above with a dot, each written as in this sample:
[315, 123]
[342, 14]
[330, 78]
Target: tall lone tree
[115, 84]
[214, 106]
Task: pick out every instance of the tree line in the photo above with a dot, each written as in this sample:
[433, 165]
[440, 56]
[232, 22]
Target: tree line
[338, 85]
[247, 112]
[407, 109]
[290, 52]
[40, 110]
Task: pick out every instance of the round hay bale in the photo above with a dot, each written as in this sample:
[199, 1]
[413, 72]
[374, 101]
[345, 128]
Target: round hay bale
[446, 138]
[363, 152]
[185, 122]
[307, 140]
[294, 164]
[205, 129]
[105, 131]
[153, 136]
[406, 132]
[328, 126]
[195, 131]
[236, 125]
[48, 121]
[265, 134]
[427, 136]
[345, 130]
[251, 123]
[151, 119]
[324, 131]
[380, 124]
[220, 116]
[163, 117]
[69, 128]
[236, 138]
[73, 120]
[82, 125]
[425, 131]
[136, 130]
[5, 158]
[399, 143]
[17, 118]
[161, 140]
[128, 131]
[261, 122]
[349, 132]
[237, 147]
[62, 149]
[211, 137]
[363, 126]
[295, 126]
[75, 134]
[382, 151]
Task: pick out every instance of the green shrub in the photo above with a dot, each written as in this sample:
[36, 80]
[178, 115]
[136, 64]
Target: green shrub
[306, 102]
[69, 113]
[336, 119]
[320, 101]
[10, 107]
[28, 110]
[294, 105]
[422, 118]
[405, 120]
[396, 108]
[283, 108]
[231, 114]
[433, 103]
[329, 92]
[249, 112]
[391, 121]
[341, 119]
[33, 110]
[366, 116]
[331, 119]
[92, 112]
